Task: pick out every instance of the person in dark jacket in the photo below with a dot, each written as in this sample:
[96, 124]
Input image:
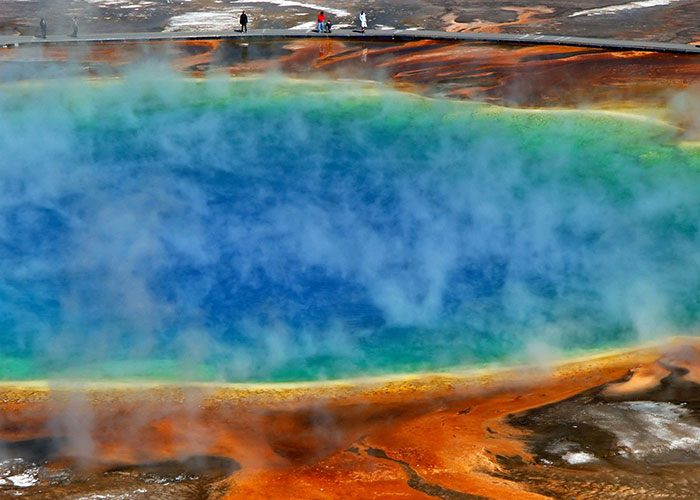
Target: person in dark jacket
[244, 23]
[42, 26]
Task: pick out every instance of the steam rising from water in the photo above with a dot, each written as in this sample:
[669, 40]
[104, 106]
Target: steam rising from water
[279, 230]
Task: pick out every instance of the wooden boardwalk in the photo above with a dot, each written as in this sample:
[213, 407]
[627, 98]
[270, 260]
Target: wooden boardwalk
[375, 35]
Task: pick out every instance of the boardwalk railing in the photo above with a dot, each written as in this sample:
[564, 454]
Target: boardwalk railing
[388, 35]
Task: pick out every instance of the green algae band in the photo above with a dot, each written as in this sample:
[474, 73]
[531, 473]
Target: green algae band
[271, 229]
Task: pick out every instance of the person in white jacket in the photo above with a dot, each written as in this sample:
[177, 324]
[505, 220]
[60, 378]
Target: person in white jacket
[363, 21]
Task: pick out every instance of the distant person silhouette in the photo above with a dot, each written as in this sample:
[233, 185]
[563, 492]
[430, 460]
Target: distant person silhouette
[244, 23]
[75, 28]
[363, 21]
[42, 26]
[321, 19]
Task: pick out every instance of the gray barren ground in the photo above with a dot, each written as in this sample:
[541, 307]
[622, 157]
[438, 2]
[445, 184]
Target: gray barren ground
[663, 20]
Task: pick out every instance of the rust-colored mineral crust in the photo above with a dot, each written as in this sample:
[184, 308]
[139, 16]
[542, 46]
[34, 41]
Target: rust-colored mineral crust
[453, 436]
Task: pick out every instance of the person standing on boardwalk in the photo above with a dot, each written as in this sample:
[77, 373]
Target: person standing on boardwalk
[363, 21]
[321, 19]
[244, 23]
[75, 28]
[42, 26]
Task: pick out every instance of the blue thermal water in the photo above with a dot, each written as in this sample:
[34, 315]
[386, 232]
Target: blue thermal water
[280, 230]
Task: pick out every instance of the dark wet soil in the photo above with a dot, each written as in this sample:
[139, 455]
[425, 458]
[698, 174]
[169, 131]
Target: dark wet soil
[192, 478]
[596, 483]
[416, 482]
[640, 445]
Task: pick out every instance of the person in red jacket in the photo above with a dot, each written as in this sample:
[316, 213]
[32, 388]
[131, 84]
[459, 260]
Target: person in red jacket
[321, 19]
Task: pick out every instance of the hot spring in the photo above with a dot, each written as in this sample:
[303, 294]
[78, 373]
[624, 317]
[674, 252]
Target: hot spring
[271, 229]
